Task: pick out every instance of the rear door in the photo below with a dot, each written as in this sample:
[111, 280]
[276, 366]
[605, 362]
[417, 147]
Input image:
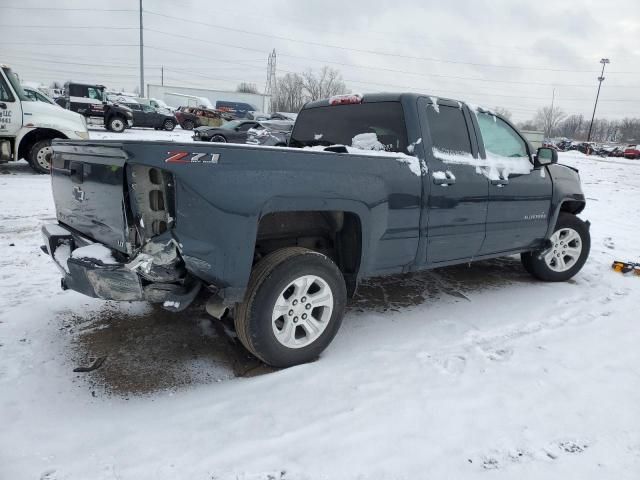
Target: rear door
[457, 196]
[519, 196]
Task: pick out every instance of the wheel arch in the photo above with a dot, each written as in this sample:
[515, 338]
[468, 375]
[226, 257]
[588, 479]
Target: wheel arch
[340, 232]
[30, 138]
[571, 205]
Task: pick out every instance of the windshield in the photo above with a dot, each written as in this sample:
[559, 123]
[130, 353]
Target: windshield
[340, 124]
[231, 125]
[15, 83]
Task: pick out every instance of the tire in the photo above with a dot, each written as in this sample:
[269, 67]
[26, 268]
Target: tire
[298, 340]
[187, 125]
[570, 245]
[40, 156]
[168, 125]
[218, 139]
[117, 124]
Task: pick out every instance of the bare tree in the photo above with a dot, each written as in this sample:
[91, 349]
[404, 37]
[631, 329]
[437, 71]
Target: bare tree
[289, 94]
[55, 85]
[503, 112]
[246, 87]
[571, 126]
[548, 118]
[324, 83]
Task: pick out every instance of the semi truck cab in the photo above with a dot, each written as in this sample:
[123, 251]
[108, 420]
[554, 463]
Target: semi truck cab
[27, 127]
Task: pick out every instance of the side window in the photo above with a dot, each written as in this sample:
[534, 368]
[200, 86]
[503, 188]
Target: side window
[448, 129]
[30, 95]
[5, 94]
[95, 94]
[499, 138]
[246, 126]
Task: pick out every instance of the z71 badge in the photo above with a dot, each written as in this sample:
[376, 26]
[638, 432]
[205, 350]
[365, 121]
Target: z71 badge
[191, 157]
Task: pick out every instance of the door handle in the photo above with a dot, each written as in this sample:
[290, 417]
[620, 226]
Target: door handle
[448, 179]
[501, 182]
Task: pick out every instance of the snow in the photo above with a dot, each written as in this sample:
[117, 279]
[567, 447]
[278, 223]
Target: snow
[367, 141]
[493, 167]
[463, 373]
[434, 104]
[439, 175]
[62, 254]
[96, 252]
[412, 146]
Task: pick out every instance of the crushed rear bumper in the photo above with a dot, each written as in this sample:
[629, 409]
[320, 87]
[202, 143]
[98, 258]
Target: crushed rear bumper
[108, 280]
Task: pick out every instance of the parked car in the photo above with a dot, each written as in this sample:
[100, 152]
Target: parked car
[280, 237]
[147, 116]
[235, 109]
[283, 116]
[37, 96]
[632, 151]
[192, 117]
[274, 133]
[234, 131]
[617, 152]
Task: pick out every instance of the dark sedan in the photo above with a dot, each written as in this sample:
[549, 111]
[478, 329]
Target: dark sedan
[231, 132]
[271, 133]
[147, 116]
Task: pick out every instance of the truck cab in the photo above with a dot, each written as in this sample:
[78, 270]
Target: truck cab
[27, 127]
[90, 101]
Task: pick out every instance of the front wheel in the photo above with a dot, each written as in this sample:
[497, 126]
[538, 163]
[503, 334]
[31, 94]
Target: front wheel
[568, 251]
[40, 156]
[188, 125]
[293, 307]
[218, 139]
[117, 124]
[168, 125]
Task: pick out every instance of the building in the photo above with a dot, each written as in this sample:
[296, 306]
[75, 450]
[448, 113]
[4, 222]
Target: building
[163, 92]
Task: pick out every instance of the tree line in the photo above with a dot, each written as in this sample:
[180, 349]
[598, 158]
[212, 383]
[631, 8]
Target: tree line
[555, 123]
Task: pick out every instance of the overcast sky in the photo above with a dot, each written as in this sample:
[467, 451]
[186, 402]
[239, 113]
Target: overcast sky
[506, 53]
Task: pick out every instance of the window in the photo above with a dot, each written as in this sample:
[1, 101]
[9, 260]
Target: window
[31, 95]
[448, 128]
[94, 93]
[246, 126]
[5, 94]
[499, 138]
[338, 124]
[148, 109]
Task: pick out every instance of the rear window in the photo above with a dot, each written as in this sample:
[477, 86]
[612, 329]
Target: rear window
[339, 124]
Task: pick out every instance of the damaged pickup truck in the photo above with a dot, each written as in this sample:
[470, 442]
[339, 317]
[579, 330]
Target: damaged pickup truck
[280, 237]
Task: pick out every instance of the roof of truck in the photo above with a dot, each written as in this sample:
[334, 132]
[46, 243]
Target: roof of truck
[376, 97]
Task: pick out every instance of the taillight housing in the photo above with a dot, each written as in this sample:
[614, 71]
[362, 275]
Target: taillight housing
[349, 98]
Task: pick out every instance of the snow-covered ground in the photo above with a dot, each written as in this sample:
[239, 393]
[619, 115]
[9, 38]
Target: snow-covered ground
[460, 373]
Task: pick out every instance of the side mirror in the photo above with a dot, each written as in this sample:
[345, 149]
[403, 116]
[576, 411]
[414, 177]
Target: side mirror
[545, 156]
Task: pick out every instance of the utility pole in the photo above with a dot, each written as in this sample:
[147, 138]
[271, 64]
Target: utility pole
[604, 62]
[553, 99]
[270, 86]
[162, 75]
[141, 55]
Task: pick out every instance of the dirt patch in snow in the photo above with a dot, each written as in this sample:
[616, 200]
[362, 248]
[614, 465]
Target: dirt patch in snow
[156, 350]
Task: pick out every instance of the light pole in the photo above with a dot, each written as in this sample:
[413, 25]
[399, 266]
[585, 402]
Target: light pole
[604, 62]
[141, 55]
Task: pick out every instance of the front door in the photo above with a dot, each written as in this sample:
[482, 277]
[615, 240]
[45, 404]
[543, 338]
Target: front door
[10, 110]
[519, 195]
[456, 194]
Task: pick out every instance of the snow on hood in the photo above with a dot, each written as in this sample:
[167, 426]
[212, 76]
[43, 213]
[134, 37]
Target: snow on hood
[493, 167]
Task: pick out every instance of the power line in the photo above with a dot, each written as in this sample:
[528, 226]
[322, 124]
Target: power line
[67, 27]
[391, 70]
[372, 52]
[70, 9]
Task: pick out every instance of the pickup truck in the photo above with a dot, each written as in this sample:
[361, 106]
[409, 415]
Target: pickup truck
[279, 237]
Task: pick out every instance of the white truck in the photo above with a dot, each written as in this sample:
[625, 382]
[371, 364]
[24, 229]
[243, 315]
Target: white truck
[27, 127]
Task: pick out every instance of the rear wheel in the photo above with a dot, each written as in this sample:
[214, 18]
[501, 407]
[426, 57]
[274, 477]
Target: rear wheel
[567, 253]
[293, 307]
[40, 155]
[168, 125]
[117, 124]
[188, 125]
